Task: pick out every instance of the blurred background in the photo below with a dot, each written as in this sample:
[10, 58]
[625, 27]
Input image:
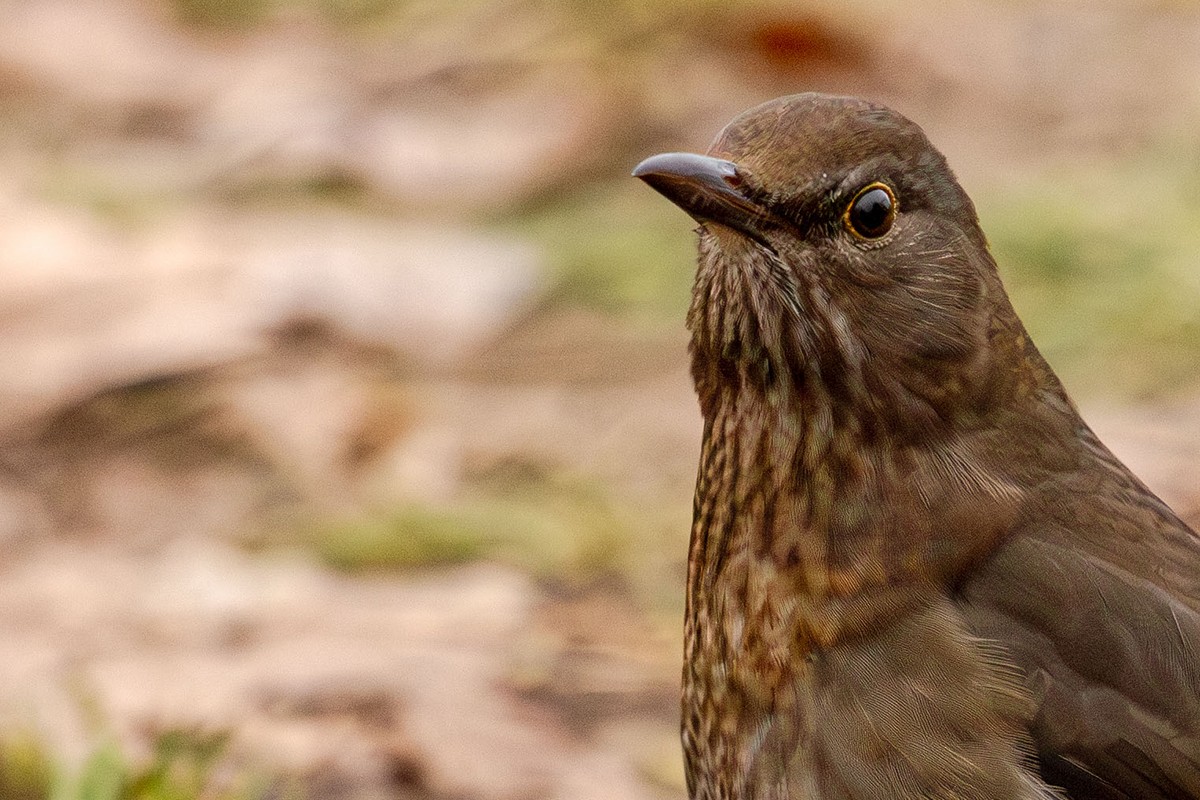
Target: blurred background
[346, 437]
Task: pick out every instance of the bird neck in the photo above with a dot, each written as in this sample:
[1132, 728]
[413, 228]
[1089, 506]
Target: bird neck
[801, 486]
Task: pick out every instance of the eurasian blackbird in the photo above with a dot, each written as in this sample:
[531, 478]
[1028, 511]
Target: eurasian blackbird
[914, 571]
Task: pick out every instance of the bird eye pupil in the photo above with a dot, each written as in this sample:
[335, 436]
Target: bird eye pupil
[872, 212]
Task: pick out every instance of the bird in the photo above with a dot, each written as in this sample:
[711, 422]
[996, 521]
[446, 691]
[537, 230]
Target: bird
[914, 571]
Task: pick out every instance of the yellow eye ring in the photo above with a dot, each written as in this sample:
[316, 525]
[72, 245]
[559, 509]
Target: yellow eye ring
[872, 211]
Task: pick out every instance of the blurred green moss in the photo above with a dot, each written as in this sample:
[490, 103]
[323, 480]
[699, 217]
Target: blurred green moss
[408, 537]
[184, 766]
[556, 527]
[26, 770]
[610, 21]
[222, 13]
[618, 248]
[243, 13]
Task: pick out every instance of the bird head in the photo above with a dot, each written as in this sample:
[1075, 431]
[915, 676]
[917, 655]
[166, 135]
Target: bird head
[839, 254]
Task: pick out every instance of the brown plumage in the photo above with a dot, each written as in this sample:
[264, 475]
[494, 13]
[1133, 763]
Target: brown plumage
[914, 571]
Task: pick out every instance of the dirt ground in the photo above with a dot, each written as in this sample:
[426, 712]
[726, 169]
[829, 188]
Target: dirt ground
[252, 279]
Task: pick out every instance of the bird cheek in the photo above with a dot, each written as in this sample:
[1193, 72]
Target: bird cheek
[868, 270]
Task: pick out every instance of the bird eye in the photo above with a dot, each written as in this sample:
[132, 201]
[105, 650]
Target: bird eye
[871, 212]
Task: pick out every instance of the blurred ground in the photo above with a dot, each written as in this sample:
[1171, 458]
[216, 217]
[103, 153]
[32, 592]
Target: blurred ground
[344, 409]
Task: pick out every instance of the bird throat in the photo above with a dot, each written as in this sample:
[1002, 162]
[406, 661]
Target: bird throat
[796, 463]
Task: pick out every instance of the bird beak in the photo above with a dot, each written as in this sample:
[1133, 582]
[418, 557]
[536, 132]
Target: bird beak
[707, 188]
